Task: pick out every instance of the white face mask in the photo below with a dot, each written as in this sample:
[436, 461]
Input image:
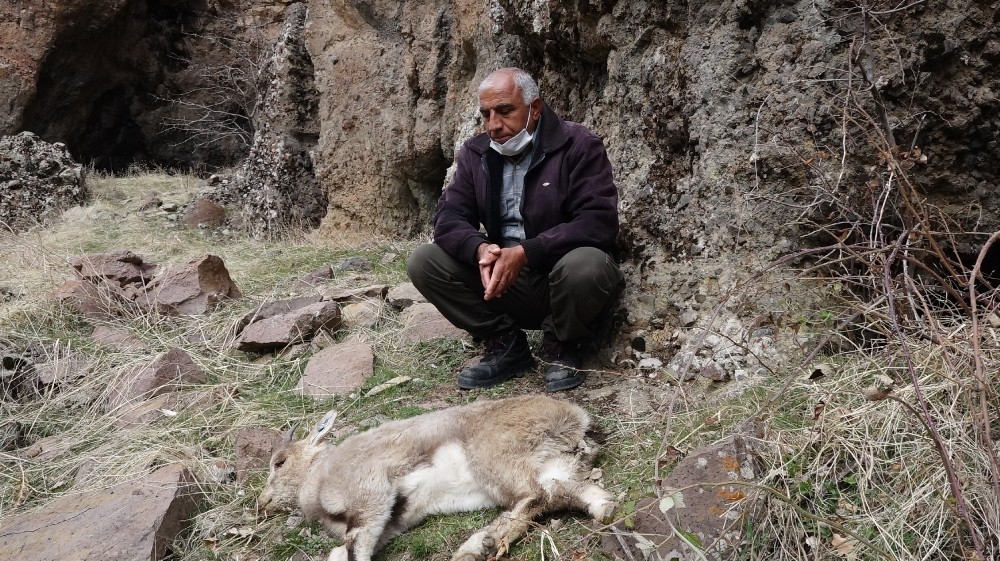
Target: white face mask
[515, 144]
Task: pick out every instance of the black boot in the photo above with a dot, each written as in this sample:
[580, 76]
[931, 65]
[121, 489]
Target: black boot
[564, 362]
[504, 357]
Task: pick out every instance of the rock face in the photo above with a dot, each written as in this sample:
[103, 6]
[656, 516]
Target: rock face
[275, 187]
[36, 179]
[719, 116]
[110, 78]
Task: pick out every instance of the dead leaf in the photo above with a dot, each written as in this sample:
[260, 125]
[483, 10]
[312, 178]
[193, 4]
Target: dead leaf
[843, 546]
[818, 410]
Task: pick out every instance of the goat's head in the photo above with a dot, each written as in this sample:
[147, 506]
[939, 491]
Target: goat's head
[289, 463]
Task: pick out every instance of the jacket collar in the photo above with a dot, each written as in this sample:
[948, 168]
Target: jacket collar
[549, 136]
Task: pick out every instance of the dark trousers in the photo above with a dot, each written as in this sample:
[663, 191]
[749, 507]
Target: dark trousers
[567, 301]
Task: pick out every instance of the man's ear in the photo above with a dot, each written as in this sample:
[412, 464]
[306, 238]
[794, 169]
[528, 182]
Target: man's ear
[536, 108]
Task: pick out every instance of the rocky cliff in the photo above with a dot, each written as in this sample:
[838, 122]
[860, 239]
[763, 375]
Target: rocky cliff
[734, 126]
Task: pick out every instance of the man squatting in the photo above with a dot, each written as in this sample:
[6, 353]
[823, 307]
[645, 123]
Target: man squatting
[543, 191]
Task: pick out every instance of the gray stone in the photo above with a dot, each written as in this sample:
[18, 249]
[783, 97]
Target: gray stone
[404, 295]
[711, 509]
[133, 521]
[355, 264]
[37, 179]
[337, 370]
[364, 314]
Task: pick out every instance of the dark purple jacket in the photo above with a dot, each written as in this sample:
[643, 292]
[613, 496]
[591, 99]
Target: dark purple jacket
[570, 199]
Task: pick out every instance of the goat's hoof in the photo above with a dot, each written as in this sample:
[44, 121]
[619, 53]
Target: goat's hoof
[489, 543]
[606, 513]
[504, 547]
[468, 557]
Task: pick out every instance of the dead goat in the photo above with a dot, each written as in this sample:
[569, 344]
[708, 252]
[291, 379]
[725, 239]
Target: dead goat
[529, 455]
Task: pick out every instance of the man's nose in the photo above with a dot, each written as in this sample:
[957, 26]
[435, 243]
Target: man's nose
[493, 122]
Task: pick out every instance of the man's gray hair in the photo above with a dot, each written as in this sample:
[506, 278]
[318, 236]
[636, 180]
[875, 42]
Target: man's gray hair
[523, 80]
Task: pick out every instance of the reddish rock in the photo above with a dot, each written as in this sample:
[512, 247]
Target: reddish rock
[172, 370]
[86, 298]
[133, 521]
[253, 451]
[195, 287]
[337, 370]
[316, 278]
[119, 266]
[286, 329]
[271, 309]
[60, 370]
[116, 338]
[140, 414]
[423, 322]
[341, 294]
[204, 212]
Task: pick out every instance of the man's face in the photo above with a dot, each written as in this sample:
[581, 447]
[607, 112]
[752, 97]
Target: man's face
[504, 111]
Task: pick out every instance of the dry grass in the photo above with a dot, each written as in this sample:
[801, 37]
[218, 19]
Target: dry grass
[844, 477]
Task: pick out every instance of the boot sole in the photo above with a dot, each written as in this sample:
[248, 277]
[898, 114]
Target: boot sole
[516, 371]
[565, 383]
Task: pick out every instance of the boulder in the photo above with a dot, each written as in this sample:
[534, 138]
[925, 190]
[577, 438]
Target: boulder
[60, 370]
[297, 326]
[132, 521]
[337, 370]
[116, 338]
[195, 287]
[350, 294]
[699, 502]
[315, 278]
[88, 299]
[137, 415]
[37, 179]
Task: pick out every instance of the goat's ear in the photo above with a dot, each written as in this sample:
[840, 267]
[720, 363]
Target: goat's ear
[323, 427]
[290, 433]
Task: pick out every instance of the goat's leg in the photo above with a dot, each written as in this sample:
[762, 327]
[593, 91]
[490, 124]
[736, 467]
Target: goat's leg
[363, 540]
[496, 538]
[583, 496]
